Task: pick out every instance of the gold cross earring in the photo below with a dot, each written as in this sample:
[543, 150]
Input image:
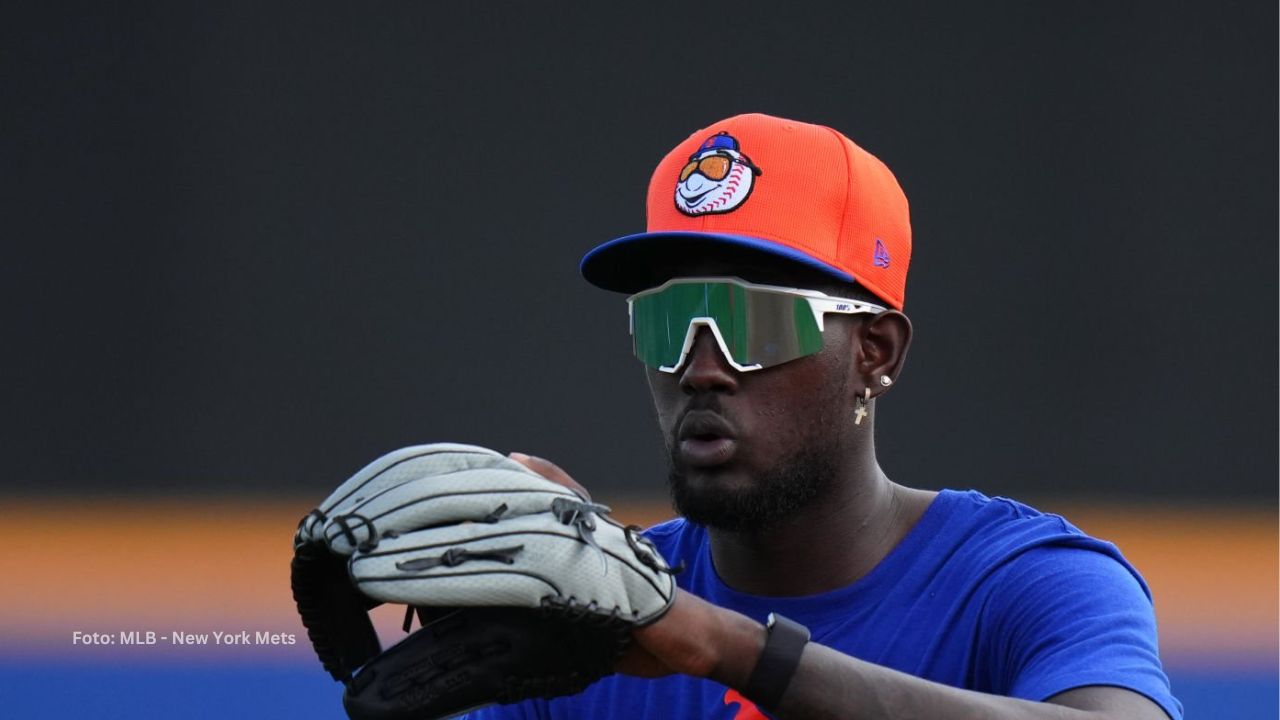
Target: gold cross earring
[861, 412]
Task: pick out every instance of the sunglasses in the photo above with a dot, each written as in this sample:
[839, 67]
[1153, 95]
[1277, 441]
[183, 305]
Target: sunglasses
[756, 326]
[715, 167]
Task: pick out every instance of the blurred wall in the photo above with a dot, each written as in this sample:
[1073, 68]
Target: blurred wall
[248, 248]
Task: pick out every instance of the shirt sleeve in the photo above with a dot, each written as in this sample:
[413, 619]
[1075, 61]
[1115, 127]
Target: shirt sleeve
[1071, 617]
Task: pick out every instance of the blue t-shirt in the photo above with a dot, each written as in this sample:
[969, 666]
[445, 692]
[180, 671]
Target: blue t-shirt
[984, 594]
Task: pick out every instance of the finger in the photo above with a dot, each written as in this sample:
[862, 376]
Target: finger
[512, 563]
[480, 495]
[550, 471]
[406, 464]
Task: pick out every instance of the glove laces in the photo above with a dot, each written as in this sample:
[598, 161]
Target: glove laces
[580, 515]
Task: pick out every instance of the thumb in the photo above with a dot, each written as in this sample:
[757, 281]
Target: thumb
[550, 471]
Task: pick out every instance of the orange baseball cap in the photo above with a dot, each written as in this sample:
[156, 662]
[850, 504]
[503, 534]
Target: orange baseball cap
[800, 191]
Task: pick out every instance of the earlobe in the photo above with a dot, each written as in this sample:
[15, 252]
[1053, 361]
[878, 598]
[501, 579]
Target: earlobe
[885, 340]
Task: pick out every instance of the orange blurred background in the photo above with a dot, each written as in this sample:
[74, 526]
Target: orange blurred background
[200, 566]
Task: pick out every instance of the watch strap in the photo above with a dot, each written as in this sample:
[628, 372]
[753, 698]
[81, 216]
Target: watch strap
[784, 643]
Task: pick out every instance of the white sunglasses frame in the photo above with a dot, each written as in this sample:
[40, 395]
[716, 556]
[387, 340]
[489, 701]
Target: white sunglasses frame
[820, 303]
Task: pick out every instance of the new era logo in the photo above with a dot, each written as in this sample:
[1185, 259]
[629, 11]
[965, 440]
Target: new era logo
[881, 256]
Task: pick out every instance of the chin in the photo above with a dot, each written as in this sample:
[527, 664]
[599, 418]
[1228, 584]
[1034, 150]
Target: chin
[712, 480]
[732, 498]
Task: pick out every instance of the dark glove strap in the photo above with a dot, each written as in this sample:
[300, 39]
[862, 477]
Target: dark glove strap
[782, 648]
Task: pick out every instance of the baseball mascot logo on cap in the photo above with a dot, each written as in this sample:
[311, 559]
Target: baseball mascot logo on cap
[717, 178]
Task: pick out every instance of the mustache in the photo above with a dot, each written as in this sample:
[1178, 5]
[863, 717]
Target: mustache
[711, 403]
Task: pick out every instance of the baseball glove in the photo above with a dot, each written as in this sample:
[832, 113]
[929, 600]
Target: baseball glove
[524, 588]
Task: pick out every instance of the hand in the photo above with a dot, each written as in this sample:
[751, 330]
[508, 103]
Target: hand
[550, 471]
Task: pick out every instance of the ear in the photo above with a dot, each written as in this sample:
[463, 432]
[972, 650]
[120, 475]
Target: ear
[882, 349]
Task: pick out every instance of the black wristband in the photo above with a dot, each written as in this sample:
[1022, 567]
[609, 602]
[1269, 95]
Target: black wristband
[783, 645]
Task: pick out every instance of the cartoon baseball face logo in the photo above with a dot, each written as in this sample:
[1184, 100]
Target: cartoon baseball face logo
[717, 179]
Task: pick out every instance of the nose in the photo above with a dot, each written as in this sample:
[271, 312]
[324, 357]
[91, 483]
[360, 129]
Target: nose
[706, 369]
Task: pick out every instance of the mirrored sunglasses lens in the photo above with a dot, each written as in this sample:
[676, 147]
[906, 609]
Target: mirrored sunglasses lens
[759, 328]
[660, 321]
[781, 328]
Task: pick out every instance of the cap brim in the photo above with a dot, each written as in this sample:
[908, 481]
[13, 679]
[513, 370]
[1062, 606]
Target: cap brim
[637, 262]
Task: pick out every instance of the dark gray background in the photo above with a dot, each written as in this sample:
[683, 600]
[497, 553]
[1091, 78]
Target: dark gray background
[250, 248]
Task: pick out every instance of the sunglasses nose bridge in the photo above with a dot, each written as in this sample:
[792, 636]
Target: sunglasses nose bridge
[706, 366]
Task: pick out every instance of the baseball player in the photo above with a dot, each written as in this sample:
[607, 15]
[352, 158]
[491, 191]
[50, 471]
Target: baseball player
[765, 301]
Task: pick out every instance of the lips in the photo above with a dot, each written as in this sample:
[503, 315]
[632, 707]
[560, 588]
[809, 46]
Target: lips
[706, 439]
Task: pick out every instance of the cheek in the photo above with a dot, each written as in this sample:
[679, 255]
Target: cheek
[665, 391]
[808, 407]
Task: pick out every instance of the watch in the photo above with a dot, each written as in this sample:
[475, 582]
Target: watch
[783, 645]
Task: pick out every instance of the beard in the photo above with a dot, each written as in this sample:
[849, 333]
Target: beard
[774, 495]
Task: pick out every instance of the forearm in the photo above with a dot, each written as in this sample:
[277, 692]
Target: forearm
[830, 684]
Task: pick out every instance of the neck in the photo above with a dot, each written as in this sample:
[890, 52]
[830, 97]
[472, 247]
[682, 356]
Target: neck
[832, 542]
